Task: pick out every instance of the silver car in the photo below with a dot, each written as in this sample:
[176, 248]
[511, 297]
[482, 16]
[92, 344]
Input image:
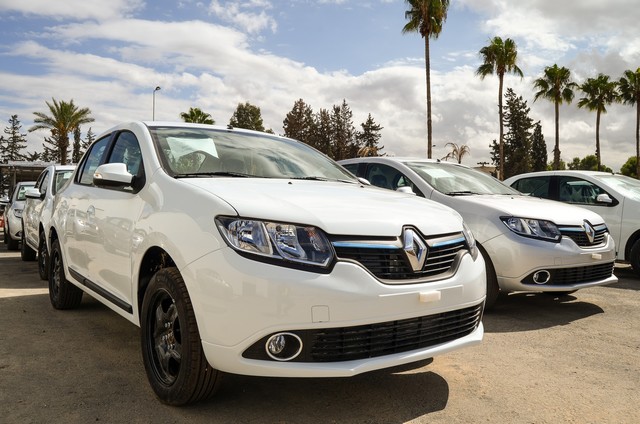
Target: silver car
[529, 244]
[13, 215]
[614, 197]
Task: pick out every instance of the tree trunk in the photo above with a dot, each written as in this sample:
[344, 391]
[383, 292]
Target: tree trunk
[638, 137]
[427, 65]
[556, 150]
[598, 138]
[501, 79]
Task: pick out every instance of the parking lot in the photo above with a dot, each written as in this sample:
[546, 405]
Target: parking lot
[544, 359]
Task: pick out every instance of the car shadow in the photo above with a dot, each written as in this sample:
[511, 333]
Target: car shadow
[535, 311]
[392, 395]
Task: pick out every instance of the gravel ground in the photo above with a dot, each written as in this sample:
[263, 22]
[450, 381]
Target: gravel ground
[574, 359]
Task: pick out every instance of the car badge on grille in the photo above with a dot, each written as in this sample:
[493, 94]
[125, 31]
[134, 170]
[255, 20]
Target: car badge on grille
[589, 231]
[415, 248]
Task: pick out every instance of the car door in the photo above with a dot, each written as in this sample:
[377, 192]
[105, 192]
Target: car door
[114, 211]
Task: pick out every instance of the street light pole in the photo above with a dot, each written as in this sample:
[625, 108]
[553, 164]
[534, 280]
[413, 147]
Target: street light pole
[153, 110]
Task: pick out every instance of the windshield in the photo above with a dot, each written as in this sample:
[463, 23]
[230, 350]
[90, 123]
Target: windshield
[629, 187]
[458, 180]
[192, 152]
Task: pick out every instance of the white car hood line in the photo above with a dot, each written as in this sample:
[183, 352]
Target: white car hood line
[337, 208]
[533, 207]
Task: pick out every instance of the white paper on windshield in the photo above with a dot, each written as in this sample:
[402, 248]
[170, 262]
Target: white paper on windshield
[181, 146]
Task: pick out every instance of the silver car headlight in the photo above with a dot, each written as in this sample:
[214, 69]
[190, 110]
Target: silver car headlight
[17, 213]
[300, 244]
[535, 228]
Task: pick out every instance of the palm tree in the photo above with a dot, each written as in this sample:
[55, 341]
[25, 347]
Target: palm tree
[555, 86]
[499, 57]
[427, 18]
[65, 118]
[629, 86]
[457, 152]
[599, 92]
[197, 116]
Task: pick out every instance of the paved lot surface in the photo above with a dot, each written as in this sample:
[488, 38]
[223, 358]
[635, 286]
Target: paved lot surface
[543, 360]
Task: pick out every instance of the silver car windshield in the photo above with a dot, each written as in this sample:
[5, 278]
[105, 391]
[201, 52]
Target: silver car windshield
[459, 180]
[629, 187]
[195, 152]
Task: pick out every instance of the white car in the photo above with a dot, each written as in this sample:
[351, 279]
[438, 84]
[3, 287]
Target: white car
[36, 215]
[613, 196]
[528, 244]
[243, 252]
[13, 214]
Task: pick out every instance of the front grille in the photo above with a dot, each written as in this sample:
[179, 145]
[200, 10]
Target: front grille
[579, 236]
[577, 275]
[380, 339]
[390, 263]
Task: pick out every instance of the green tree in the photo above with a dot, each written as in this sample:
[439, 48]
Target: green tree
[76, 153]
[538, 149]
[457, 152]
[299, 123]
[426, 17]
[587, 163]
[32, 156]
[64, 118]
[12, 146]
[247, 116]
[629, 86]
[599, 92]
[369, 138]
[50, 151]
[343, 132]
[197, 116]
[630, 167]
[499, 57]
[321, 137]
[557, 87]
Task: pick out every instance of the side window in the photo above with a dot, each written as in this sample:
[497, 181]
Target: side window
[91, 161]
[390, 178]
[127, 150]
[534, 186]
[43, 182]
[578, 191]
[352, 167]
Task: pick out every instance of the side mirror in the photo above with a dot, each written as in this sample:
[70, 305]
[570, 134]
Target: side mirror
[364, 181]
[34, 193]
[405, 189]
[112, 175]
[604, 198]
[4, 201]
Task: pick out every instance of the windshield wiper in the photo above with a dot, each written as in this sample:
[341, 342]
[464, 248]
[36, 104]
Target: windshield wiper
[212, 174]
[460, 193]
[316, 178]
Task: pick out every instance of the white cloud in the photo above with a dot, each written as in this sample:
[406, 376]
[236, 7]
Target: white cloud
[73, 9]
[248, 15]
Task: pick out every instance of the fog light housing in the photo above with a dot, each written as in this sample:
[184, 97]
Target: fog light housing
[283, 346]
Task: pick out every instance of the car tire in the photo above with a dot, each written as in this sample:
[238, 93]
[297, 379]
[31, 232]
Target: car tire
[62, 293]
[172, 353]
[493, 289]
[634, 257]
[27, 253]
[43, 258]
[11, 243]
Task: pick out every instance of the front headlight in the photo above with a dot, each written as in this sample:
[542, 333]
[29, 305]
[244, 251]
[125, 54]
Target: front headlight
[534, 228]
[276, 240]
[471, 240]
[17, 213]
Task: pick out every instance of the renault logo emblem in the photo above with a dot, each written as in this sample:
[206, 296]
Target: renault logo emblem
[589, 231]
[415, 248]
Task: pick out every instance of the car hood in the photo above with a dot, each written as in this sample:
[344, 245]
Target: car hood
[531, 207]
[337, 208]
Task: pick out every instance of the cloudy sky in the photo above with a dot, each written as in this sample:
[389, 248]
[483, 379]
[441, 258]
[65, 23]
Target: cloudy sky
[213, 54]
